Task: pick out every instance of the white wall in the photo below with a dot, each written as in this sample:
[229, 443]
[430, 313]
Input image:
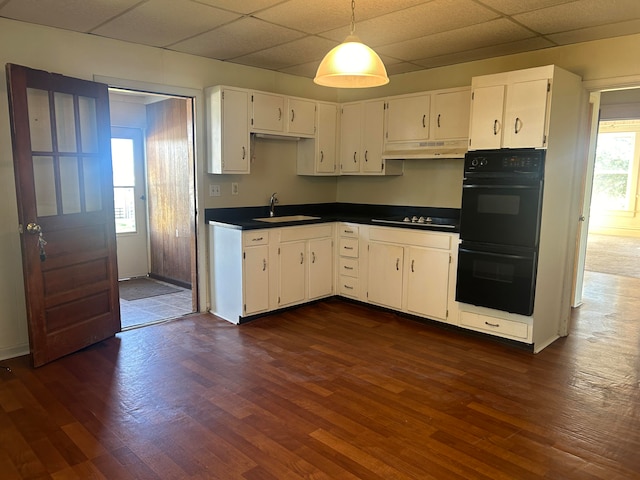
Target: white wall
[434, 183]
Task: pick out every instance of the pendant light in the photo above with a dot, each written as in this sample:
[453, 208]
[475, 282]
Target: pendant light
[351, 64]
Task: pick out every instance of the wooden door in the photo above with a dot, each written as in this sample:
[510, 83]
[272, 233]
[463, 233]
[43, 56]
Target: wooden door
[62, 162]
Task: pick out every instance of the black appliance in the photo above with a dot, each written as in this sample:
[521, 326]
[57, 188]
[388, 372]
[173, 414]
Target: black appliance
[500, 229]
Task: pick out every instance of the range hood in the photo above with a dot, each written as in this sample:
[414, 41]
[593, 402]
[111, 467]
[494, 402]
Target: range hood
[425, 149]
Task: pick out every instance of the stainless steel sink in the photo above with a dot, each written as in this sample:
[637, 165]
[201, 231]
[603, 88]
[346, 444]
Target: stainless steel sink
[286, 218]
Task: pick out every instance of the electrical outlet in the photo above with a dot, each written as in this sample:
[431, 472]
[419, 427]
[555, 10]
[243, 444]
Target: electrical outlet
[214, 190]
[234, 188]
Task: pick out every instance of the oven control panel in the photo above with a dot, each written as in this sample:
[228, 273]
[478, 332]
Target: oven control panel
[504, 162]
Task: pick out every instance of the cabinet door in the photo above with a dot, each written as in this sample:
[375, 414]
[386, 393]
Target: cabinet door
[427, 282]
[320, 263]
[291, 288]
[234, 134]
[487, 109]
[372, 136]
[268, 112]
[526, 114]
[326, 138]
[256, 279]
[450, 117]
[350, 134]
[301, 117]
[408, 118]
[385, 274]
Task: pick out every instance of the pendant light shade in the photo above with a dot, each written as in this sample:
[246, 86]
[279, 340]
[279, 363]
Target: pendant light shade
[351, 64]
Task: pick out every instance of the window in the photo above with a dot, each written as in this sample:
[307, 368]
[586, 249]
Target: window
[616, 166]
[122, 157]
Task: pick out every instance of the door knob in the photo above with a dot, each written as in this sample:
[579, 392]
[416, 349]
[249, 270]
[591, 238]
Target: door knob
[34, 228]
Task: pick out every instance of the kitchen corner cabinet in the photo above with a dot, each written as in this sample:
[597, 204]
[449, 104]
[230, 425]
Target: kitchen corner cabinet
[279, 114]
[305, 263]
[511, 109]
[319, 156]
[227, 113]
[362, 138]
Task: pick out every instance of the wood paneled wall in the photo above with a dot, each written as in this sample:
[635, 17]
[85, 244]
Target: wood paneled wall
[170, 174]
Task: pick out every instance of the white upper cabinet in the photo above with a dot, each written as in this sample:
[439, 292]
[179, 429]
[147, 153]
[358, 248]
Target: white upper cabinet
[278, 114]
[319, 156]
[267, 112]
[427, 124]
[228, 130]
[362, 138]
[407, 118]
[450, 115]
[511, 110]
[301, 116]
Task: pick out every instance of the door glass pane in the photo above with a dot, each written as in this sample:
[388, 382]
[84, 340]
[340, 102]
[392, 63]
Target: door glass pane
[70, 185]
[39, 120]
[44, 181]
[88, 124]
[92, 187]
[65, 122]
[124, 183]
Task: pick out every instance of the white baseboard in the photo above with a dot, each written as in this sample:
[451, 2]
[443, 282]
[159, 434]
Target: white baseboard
[13, 352]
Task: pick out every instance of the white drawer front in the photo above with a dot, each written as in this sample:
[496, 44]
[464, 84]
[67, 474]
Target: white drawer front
[348, 286]
[348, 267]
[255, 237]
[348, 230]
[497, 326]
[349, 247]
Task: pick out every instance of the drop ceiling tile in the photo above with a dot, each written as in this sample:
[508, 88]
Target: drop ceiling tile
[303, 70]
[78, 15]
[417, 21]
[469, 38]
[163, 22]
[242, 6]
[287, 55]
[511, 7]
[529, 44]
[579, 14]
[236, 39]
[596, 33]
[323, 15]
[402, 67]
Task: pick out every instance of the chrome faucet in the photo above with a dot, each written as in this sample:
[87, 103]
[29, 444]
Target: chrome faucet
[272, 204]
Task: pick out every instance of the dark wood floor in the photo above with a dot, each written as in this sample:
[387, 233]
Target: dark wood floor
[334, 390]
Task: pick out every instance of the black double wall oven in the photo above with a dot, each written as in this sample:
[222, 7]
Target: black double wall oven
[500, 229]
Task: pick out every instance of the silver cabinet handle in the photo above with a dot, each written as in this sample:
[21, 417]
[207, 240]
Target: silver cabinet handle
[424, 117]
[264, 264]
[516, 130]
[321, 156]
[492, 324]
[354, 157]
[495, 126]
[313, 257]
[293, 115]
[348, 268]
[412, 262]
[244, 153]
[397, 264]
[279, 114]
[366, 155]
[348, 248]
[348, 287]
[439, 120]
[301, 258]
[257, 239]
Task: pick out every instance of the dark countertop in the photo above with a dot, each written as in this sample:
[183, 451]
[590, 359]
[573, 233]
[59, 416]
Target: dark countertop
[243, 218]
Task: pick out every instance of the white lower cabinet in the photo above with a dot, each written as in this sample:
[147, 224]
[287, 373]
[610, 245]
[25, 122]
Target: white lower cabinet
[386, 264]
[428, 282]
[411, 271]
[305, 263]
[256, 279]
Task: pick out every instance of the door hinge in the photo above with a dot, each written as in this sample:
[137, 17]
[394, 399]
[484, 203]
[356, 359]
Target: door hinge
[544, 139]
[244, 255]
[20, 228]
[449, 258]
[278, 250]
[548, 86]
[245, 308]
[447, 314]
[278, 300]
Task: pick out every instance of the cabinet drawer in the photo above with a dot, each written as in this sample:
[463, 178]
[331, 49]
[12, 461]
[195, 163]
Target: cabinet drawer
[295, 234]
[255, 237]
[349, 247]
[348, 286]
[497, 326]
[348, 230]
[348, 267]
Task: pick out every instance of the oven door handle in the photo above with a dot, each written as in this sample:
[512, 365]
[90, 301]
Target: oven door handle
[501, 186]
[492, 254]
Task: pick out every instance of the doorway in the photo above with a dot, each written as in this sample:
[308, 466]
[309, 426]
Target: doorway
[153, 159]
[611, 242]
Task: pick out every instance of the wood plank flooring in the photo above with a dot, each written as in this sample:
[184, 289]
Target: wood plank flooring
[334, 390]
